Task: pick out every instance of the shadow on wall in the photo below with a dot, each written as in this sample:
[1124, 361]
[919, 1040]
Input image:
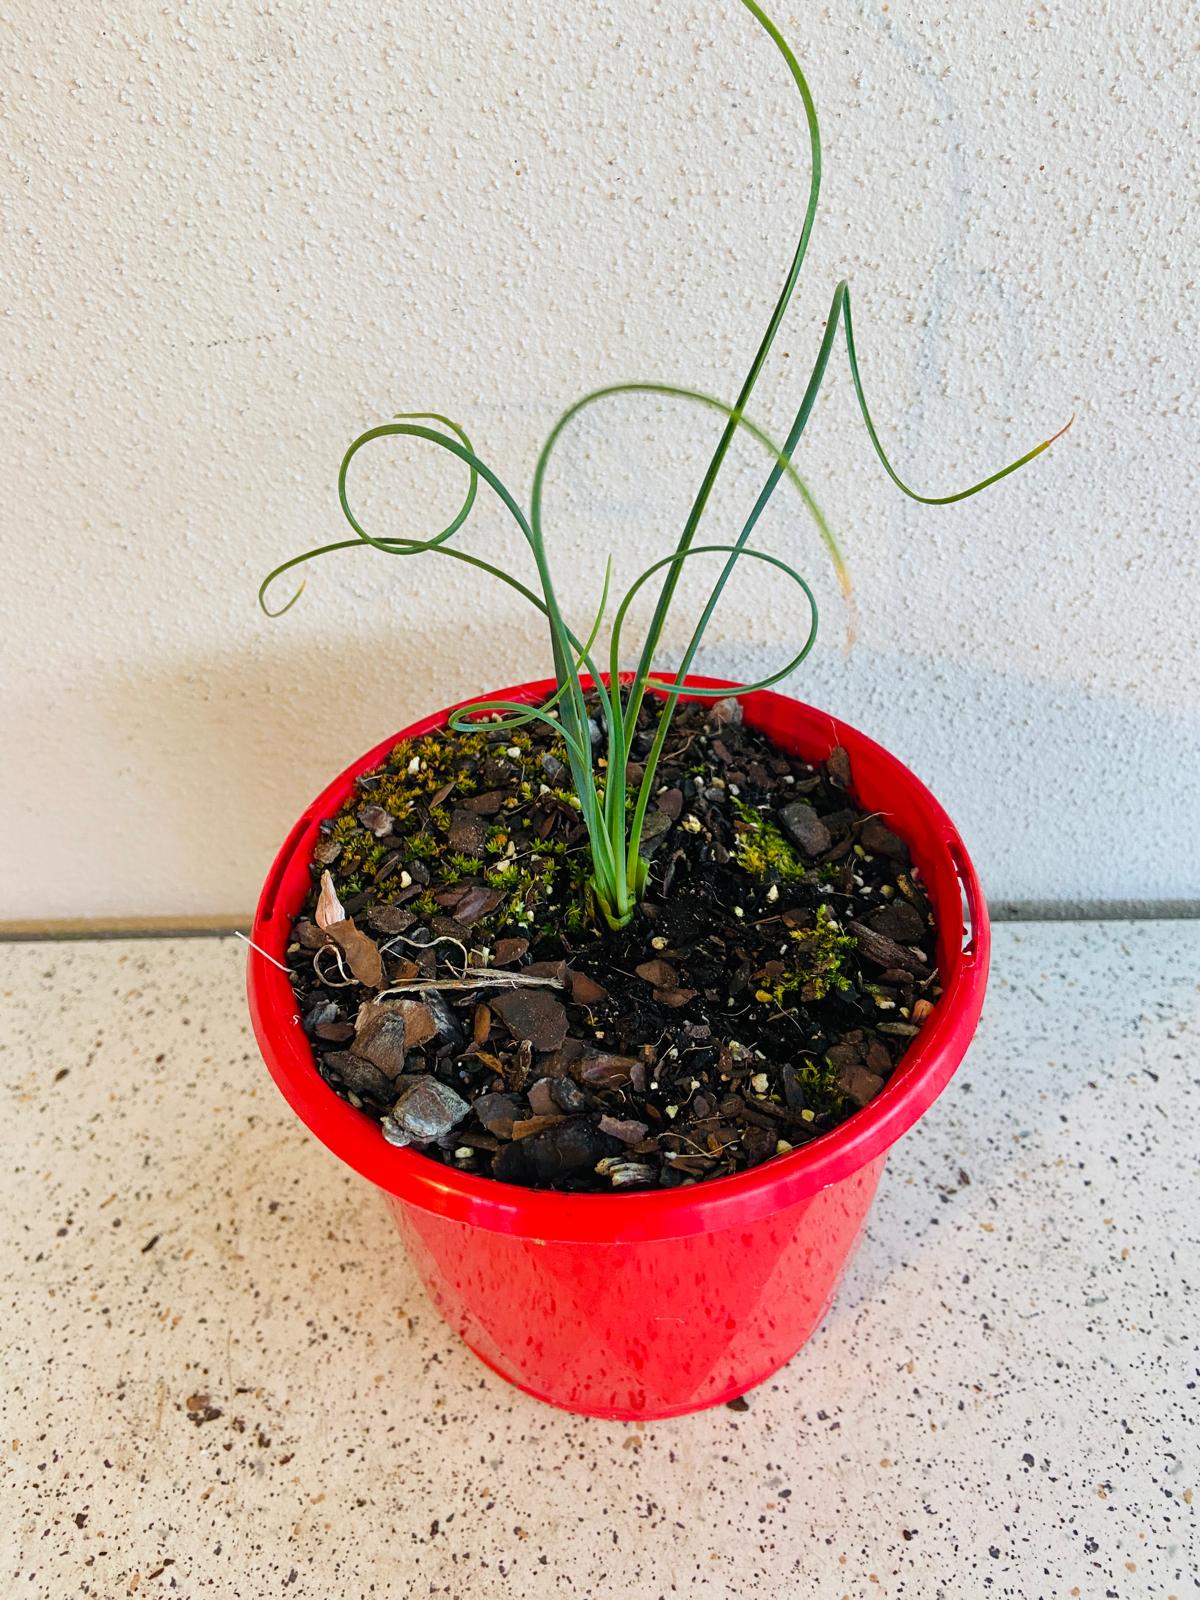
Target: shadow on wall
[198, 769]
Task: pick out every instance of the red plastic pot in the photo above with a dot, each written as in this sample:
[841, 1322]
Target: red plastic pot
[651, 1304]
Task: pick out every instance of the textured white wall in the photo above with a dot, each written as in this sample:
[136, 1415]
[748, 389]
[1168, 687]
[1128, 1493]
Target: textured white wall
[234, 235]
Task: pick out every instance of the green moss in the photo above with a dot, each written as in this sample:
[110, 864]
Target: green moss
[361, 854]
[761, 848]
[504, 878]
[823, 953]
[820, 956]
[385, 893]
[542, 863]
[819, 1081]
[537, 887]
[436, 759]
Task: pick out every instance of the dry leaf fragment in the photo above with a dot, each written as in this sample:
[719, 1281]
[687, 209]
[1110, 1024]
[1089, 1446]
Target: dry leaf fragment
[585, 991]
[329, 908]
[419, 1020]
[530, 1125]
[360, 950]
[659, 974]
[674, 997]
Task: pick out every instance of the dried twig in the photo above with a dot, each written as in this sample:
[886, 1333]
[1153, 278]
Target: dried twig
[262, 952]
[477, 978]
[346, 982]
[427, 944]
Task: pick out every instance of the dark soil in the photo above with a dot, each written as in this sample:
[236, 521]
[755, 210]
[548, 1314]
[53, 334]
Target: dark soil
[455, 989]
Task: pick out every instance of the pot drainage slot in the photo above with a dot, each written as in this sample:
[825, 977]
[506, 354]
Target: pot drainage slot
[968, 919]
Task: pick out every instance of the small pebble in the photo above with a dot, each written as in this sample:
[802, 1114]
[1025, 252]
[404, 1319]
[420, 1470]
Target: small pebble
[805, 828]
[377, 820]
[427, 1108]
[542, 1101]
[568, 1096]
[572, 1145]
[497, 1113]
[381, 1039]
[627, 1130]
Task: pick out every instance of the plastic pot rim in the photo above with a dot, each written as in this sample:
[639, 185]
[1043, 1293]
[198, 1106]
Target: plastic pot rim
[928, 1063]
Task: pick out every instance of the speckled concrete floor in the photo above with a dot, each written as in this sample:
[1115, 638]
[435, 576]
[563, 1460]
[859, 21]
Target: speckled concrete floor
[221, 1377]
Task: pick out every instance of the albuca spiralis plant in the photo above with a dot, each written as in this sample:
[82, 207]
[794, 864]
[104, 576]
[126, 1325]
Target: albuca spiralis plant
[613, 814]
